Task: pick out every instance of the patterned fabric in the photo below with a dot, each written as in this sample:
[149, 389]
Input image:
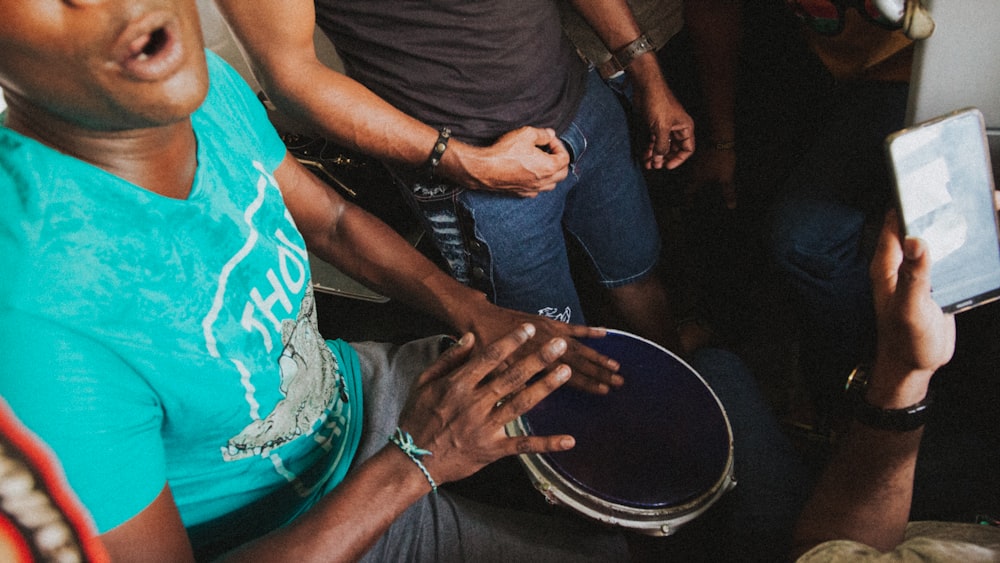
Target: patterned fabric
[926, 542]
[40, 517]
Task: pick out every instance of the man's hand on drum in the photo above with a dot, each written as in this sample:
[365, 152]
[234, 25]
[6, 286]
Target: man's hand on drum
[523, 162]
[460, 404]
[592, 371]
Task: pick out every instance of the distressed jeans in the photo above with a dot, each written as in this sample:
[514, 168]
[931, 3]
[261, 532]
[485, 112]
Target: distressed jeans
[514, 249]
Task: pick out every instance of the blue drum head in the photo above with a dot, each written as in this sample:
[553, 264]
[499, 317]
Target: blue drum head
[659, 441]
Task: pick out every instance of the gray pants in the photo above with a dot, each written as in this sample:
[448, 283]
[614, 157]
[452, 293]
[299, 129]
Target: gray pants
[446, 527]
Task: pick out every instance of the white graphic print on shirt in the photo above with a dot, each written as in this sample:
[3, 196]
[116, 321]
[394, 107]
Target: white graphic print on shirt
[309, 374]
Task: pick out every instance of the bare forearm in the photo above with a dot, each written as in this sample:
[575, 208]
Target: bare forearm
[277, 37]
[864, 494]
[347, 522]
[614, 23]
[714, 26]
[611, 20]
[369, 251]
[349, 113]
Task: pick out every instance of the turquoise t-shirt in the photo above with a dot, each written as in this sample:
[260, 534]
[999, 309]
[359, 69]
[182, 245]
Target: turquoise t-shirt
[150, 340]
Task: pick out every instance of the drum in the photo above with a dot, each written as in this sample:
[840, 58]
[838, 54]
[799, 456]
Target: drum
[649, 456]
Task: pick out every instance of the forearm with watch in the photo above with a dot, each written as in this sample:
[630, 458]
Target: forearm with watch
[622, 58]
[864, 494]
[895, 399]
[614, 24]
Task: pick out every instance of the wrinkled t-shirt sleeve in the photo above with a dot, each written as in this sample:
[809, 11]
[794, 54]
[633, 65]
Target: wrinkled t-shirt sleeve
[105, 432]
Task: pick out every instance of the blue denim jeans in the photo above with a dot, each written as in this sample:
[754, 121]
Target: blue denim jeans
[823, 226]
[514, 249]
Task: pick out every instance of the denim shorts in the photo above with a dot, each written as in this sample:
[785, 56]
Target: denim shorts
[514, 249]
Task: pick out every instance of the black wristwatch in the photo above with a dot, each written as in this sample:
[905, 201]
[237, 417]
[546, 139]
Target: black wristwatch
[900, 420]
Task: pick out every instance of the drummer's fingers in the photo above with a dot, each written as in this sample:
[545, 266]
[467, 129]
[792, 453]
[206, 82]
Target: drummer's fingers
[517, 403]
[523, 401]
[588, 385]
[538, 444]
[488, 361]
[591, 364]
[512, 379]
[449, 360]
[583, 331]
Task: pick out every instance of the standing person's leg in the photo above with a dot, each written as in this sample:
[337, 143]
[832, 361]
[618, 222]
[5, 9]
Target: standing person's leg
[523, 240]
[838, 189]
[610, 214]
[644, 305]
[510, 248]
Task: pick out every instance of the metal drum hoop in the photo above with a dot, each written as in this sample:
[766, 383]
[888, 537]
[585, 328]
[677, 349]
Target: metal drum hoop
[660, 521]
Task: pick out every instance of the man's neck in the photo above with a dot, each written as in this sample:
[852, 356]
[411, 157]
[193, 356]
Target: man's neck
[161, 159]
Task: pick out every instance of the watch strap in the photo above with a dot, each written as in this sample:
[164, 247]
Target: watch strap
[900, 420]
[624, 56]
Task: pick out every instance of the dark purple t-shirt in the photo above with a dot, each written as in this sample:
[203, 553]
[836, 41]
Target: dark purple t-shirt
[479, 67]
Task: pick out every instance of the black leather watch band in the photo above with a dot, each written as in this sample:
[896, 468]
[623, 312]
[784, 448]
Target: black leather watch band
[900, 420]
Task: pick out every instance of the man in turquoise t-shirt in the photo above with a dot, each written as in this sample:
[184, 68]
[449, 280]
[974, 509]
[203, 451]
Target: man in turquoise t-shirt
[159, 333]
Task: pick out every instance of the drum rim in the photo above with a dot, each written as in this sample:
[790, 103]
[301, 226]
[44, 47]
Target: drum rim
[660, 521]
[652, 521]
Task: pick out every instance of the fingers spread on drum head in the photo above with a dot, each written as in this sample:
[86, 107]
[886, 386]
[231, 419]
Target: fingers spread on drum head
[597, 373]
[589, 385]
[450, 359]
[514, 405]
[540, 444]
[498, 353]
[504, 383]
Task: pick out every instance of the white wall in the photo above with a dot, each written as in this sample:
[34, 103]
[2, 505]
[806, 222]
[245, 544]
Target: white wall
[220, 39]
[959, 64]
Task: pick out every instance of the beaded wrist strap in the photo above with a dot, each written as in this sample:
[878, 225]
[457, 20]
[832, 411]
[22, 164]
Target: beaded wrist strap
[405, 442]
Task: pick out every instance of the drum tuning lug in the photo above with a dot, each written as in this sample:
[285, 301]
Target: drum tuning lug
[665, 529]
[545, 488]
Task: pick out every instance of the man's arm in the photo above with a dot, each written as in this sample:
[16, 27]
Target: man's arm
[864, 494]
[671, 129]
[451, 412]
[369, 251]
[715, 28]
[277, 36]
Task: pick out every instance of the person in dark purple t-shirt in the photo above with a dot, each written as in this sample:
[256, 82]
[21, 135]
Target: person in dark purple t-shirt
[502, 136]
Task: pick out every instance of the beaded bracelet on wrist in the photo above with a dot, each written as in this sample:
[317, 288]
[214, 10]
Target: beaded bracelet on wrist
[404, 441]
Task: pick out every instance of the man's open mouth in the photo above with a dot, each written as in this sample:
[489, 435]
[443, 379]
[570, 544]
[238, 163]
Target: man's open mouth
[154, 52]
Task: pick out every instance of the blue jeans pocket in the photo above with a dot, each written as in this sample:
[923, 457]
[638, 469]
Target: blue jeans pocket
[575, 141]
